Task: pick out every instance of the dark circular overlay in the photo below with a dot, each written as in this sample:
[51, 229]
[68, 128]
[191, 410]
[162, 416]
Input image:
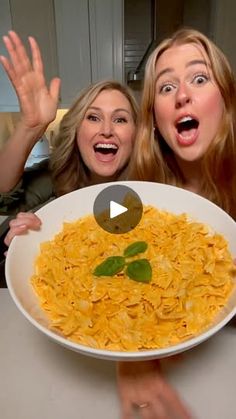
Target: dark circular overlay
[115, 199]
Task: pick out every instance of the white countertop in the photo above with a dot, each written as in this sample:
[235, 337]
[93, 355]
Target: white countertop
[40, 379]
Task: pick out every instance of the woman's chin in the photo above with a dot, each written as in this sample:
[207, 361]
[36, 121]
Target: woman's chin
[107, 174]
[190, 155]
[108, 169]
[103, 174]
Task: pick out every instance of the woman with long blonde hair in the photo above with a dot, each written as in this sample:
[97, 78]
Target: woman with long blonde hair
[37, 103]
[69, 165]
[155, 158]
[93, 145]
[187, 138]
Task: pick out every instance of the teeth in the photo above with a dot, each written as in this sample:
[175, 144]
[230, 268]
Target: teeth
[185, 119]
[105, 145]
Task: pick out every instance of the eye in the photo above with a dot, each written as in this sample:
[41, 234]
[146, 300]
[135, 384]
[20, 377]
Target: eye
[200, 79]
[120, 120]
[92, 117]
[166, 88]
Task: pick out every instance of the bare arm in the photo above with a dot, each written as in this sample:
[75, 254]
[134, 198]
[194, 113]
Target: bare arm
[38, 106]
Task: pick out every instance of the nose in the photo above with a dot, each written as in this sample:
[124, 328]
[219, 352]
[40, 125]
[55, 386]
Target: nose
[106, 128]
[183, 97]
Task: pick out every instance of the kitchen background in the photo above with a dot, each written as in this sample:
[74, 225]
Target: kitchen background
[83, 41]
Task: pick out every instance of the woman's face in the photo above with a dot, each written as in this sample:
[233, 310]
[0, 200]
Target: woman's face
[188, 104]
[106, 134]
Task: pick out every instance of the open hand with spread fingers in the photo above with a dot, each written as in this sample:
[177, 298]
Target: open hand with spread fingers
[38, 103]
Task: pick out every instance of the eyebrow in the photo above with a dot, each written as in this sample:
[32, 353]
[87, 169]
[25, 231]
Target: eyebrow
[115, 110]
[171, 69]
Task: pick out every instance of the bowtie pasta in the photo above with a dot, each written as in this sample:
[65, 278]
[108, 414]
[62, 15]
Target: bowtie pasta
[192, 278]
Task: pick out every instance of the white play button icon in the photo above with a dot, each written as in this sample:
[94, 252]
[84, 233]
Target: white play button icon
[116, 209]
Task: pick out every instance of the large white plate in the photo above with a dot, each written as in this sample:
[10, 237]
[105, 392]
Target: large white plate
[23, 250]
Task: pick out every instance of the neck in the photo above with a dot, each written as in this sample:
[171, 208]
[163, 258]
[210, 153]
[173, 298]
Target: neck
[191, 172]
[96, 179]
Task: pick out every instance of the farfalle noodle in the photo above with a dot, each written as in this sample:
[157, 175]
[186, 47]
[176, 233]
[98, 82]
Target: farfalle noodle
[192, 278]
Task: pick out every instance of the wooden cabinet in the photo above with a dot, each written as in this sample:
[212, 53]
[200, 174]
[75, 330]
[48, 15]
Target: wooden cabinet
[81, 42]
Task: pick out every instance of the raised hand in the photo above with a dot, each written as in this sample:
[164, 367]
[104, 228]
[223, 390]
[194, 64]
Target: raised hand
[144, 390]
[23, 222]
[38, 103]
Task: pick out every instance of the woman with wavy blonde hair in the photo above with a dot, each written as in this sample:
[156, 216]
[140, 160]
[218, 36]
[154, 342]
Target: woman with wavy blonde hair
[71, 167]
[185, 76]
[186, 137]
[93, 145]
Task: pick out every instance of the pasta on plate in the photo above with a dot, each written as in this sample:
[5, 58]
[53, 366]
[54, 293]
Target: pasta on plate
[192, 279]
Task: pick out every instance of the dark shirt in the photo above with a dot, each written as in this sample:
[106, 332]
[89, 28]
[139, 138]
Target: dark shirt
[34, 190]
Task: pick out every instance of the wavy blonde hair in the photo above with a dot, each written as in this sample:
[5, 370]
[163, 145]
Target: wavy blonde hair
[67, 167]
[153, 160]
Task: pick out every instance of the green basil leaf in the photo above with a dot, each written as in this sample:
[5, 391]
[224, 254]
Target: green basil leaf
[139, 270]
[135, 248]
[111, 266]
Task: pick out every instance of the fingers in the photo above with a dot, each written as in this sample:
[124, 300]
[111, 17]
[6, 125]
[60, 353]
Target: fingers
[14, 231]
[54, 88]
[127, 411]
[25, 76]
[17, 52]
[144, 390]
[21, 224]
[28, 219]
[153, 411]
[28, 216]
[8, 68]
[156, 408]
[173, 406]
[20, 63]
[36, 55]
[161, 408]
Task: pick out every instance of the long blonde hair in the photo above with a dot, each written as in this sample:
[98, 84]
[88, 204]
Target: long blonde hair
[153, 160]
[67, 167]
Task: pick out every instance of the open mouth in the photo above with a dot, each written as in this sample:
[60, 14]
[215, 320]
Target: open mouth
[105, 148]
[186, 124]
